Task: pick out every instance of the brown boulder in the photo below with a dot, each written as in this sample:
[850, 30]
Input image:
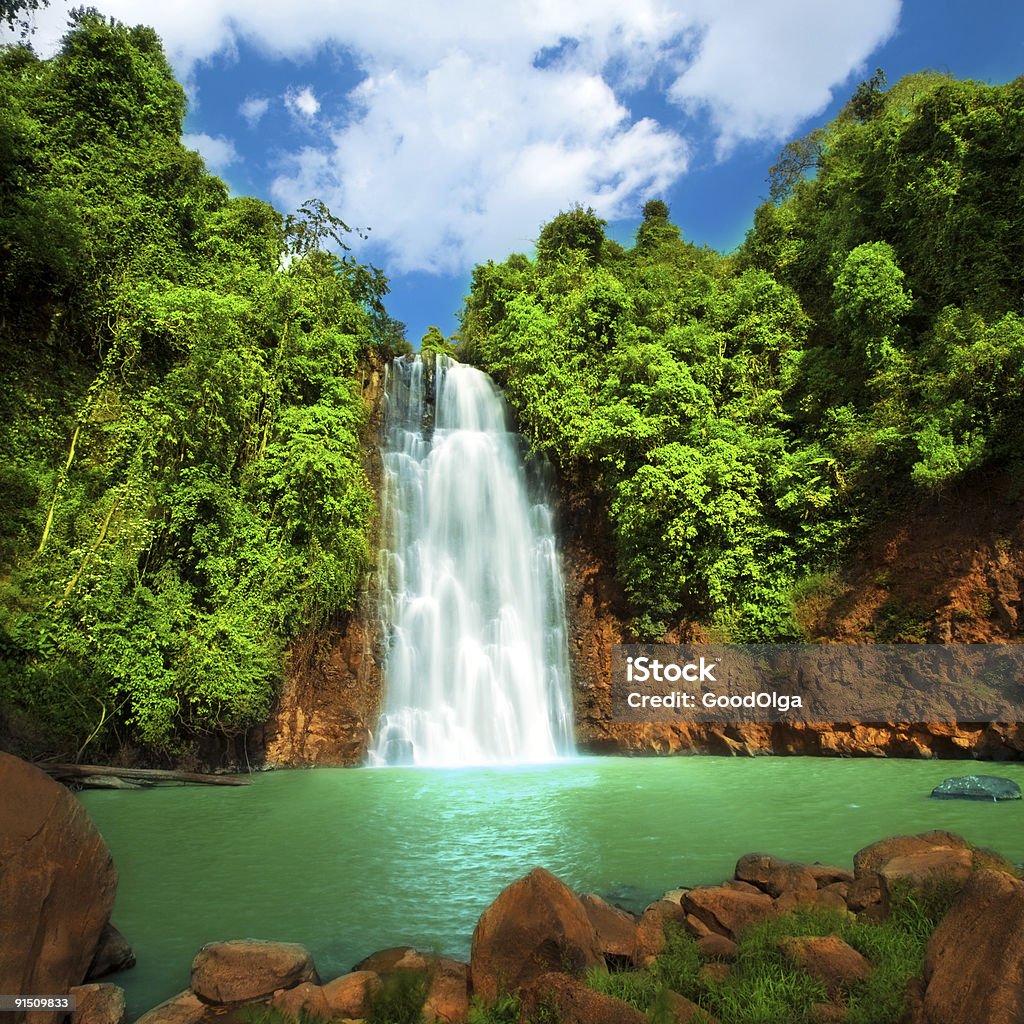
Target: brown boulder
[447, 992]
[650, 930]
[394, 958]
[683, 1011]
[873, 858]
[243, 969]
[571, 1002]
[717, 947]
[112, 954]
[98, 1004]
[863, 893]
[184, 1008]
[616, 930]
[56, 890]
[827, 959]
[826, 874]
[922, 871]
[774, 875]
[726, 911]
[535, 926]
[974, 964]
[351, 994]
[308, 997]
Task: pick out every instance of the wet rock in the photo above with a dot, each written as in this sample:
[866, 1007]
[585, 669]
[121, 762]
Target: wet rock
[974, 964]
[977, 787]
[535, 926]
[827, 959]
[112, 954]
[243, 969]
[98, 1004]
[56, 889]
[571, 1002]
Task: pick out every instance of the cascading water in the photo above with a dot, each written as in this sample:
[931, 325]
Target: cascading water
[471, 589]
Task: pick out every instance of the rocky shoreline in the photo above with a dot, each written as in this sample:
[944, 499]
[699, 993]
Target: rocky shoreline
[538, 943]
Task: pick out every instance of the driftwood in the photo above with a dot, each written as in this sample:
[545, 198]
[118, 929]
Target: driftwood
[137, 777]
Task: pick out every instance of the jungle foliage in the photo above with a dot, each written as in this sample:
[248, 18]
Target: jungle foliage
[746, 416]
[181, 484]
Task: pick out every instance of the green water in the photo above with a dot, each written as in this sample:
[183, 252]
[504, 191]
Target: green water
[350, 861]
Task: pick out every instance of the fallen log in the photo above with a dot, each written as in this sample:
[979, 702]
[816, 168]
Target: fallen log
[143, 776]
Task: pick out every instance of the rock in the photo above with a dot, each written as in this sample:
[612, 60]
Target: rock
[825, 875]
[56, 889]
[650, 931]
[775, 876]
[683, 1011]
[920, 872]
[447, 980]
[308, 996]
[696, 927]
[447, 992]
[616, 930]
[243, 969]
[726, 911]
[821, 899]
[395, 958]
[351, 994]
[536, 925]
[873, 858]
[974, 963]
[717, 947]
[571, 1002]
[977, 787]
[112, 954]
[184, 1008]
[863, 893]
[827, 959]
[98, 1004]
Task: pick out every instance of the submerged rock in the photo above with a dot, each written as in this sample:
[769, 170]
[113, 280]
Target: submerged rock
[977, 787]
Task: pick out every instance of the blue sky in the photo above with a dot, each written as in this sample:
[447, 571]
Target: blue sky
[453, 130]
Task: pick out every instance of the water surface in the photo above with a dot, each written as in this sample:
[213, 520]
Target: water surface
[347, 861]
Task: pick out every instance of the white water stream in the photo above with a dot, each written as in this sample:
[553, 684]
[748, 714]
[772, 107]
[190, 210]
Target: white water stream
[471, 589]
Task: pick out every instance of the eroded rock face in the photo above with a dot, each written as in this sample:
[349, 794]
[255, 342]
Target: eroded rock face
[242, 969]
[56, 889]
[535, 926]
[974, 964]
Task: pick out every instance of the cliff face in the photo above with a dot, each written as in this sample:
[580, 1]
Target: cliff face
[950, 571]
[330, 699]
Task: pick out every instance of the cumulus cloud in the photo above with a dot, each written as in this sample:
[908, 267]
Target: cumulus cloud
[253, 109]
[218, 152]
[302, 102]
[472, 124]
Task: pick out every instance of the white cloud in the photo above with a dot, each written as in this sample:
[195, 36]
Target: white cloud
[253, 109]
[218, 152]
[474, 123]
[302, 102]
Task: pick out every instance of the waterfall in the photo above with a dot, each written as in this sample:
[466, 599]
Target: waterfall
[476, 667]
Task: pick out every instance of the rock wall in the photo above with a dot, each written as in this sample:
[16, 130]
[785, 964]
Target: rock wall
[952, 570]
